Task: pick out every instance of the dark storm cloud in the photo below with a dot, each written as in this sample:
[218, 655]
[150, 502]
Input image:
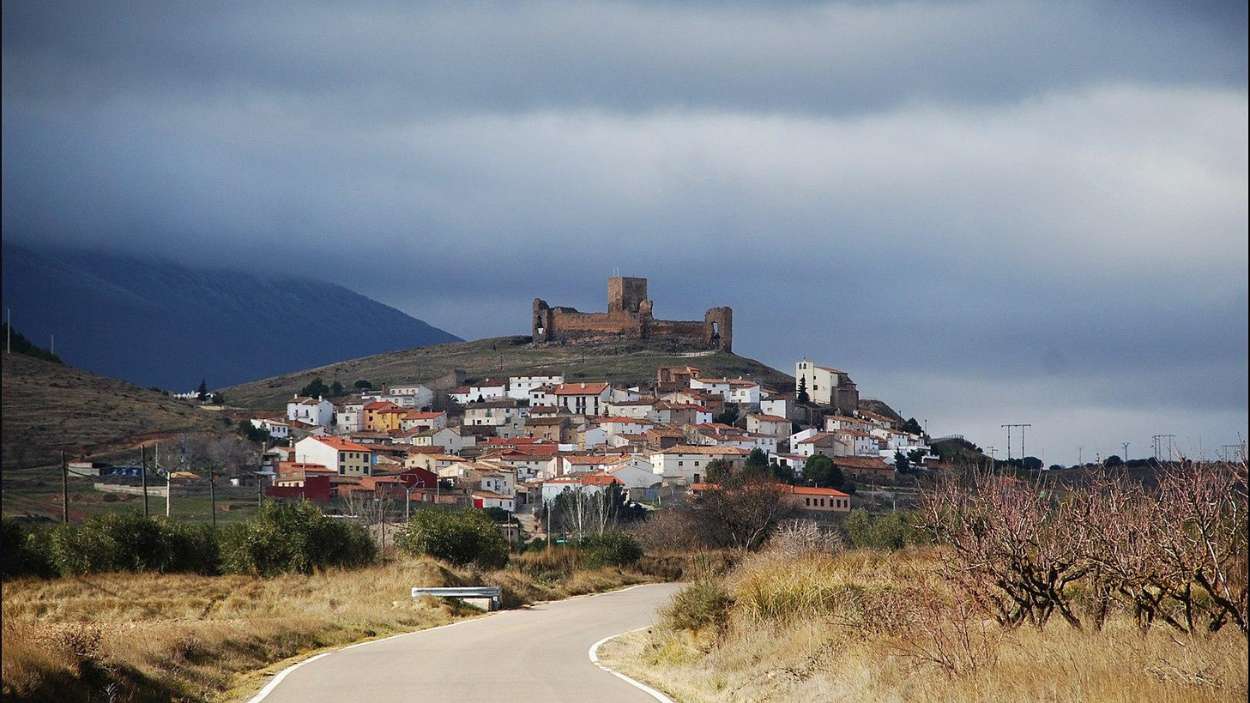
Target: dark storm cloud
[981, 209]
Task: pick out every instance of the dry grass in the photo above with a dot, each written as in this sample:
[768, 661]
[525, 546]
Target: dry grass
[865, 626]
[195, 638]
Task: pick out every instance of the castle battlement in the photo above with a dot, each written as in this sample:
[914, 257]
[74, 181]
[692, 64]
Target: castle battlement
[630, 315]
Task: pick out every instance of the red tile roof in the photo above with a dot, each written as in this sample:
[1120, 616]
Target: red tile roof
[579, 389]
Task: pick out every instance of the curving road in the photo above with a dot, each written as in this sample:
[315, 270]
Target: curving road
[534, 654]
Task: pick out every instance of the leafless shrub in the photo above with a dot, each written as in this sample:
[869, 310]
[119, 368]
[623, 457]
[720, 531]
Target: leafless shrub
[952, 637]
[797, 538]
[1175, 553]
[1012, 546]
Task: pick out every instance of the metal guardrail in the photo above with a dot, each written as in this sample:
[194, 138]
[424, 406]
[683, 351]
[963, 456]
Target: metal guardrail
[494, 593]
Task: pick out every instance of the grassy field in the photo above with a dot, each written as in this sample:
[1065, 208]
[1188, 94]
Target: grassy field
[201, 638]
[36, 493]
[49, 407]
[629, 361]
[869, 626]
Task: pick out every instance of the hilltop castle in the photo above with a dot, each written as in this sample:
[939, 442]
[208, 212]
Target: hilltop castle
[629, 315]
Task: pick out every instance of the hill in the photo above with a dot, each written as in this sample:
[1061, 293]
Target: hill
[49, 407]
[625, 361]
[169, 325]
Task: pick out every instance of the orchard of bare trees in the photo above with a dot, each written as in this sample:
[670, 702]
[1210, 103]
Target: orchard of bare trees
[1172, 553]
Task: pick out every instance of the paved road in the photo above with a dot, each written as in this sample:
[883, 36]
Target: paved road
[534, 654]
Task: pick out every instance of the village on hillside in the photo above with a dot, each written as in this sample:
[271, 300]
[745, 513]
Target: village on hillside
[521, 446]
[517, 444]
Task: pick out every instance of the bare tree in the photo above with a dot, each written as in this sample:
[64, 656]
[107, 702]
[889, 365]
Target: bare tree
[1012, 546]
[739, 514]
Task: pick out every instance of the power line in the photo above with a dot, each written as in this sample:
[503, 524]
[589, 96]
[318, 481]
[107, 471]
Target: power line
[1009, 427]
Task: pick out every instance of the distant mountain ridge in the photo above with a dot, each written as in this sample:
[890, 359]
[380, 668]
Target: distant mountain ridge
[159, 323]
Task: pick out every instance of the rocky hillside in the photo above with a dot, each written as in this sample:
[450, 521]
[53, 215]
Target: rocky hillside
[49, 407]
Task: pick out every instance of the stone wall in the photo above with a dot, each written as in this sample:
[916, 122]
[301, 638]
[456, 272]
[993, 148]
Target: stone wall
[629, 314]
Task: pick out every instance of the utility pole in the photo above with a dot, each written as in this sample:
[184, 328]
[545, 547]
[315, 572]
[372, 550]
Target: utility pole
[1080, 456]
[1125, 445]
[169, 483]
[212, 498]
[143, 474]
[1009, 427]
[8, 331]
[407, 501]
[52, 343]
[64, 489]
[1158, 444]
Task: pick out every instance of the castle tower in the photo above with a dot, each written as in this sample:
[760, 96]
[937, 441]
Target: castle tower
[626, 294]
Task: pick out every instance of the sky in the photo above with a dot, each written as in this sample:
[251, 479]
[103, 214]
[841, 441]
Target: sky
[986, 212]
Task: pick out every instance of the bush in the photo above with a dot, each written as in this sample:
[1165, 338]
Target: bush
[610, 549]
[699, 605]
[23, 552]
[293, 538]
[131, 542]
[464, 536]
[890, 531]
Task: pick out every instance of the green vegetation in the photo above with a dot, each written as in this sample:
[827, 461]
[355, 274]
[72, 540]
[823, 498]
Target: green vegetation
[819, 469]
[609, 549]
[280, 539]
[461, 537]
[297, 538]
[888, 531]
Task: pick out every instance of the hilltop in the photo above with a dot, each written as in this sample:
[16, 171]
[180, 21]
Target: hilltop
[155, 322]
[49, 407]
[624, 361]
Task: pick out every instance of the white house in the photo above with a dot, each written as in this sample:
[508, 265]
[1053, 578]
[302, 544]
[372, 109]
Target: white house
[519, 387]
[585, 484]
[486, 499]
[276, 428]
[449, 438]
[688, 463]
[423, 420]
[318, 411]
[716, 386]
[860, 443]
[416, 395]
[826, 386]
[582, 398]
[744, 392]
[634, 474]
[489, 389]
[346, 458]
[624, 425]
[641, 409]
[771, 425]
[493, 413]
[349, 418]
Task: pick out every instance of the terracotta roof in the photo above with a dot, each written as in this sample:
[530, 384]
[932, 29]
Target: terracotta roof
[813, 491]
[579, 389]
[769, 418]
[342, 444]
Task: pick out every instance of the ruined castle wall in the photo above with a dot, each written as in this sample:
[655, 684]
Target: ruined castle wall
[573, 324]
[692, 329]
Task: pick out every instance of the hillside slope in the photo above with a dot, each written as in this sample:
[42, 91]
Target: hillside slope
[48, 407]
[631, 361]
[158, 323]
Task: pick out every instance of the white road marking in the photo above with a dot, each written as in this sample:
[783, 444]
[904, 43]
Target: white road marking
[277, 679]
[593, 653]
[273, 683]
